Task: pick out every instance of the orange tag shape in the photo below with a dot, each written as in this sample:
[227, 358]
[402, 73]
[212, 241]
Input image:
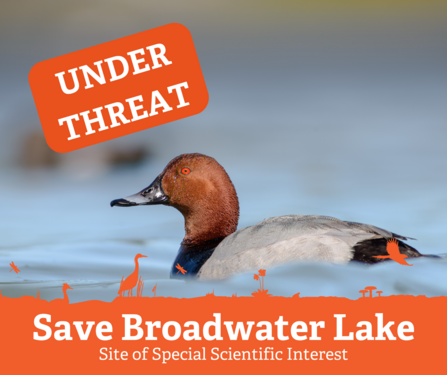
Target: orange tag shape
[118, 88]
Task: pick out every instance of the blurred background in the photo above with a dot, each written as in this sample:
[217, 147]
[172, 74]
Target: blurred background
[338, 107]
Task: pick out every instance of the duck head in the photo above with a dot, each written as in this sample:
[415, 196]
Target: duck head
[138, 256]
[197, 186]
[65, 286]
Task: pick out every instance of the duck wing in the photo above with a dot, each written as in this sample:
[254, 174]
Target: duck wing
[288, 239]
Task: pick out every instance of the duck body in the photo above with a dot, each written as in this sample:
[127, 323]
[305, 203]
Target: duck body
[201, 190]
[191, 260]
[297, 238]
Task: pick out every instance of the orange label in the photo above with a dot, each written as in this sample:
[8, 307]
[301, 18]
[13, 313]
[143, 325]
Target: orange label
[224, 335]
[118, 88]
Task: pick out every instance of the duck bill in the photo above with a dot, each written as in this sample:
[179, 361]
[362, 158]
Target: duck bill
[153, 194]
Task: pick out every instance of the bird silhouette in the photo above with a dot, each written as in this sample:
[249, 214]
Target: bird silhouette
[393, 253]
[65, 286]
[130, 281]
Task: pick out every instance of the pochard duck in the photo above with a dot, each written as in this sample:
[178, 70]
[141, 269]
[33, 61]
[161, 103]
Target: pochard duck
[199, 187]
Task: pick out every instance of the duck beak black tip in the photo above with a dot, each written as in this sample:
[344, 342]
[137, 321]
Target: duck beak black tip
[122, 203]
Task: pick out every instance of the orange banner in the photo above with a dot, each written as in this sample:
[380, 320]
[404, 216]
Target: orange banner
[222, 334]
[118, 88]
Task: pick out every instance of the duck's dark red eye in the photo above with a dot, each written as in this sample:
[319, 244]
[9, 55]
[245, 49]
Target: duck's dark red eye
[186, 170]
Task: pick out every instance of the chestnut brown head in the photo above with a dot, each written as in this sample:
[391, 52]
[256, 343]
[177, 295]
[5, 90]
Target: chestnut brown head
[198, 186]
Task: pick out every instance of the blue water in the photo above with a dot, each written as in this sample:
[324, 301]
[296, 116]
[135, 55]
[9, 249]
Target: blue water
[58, 229]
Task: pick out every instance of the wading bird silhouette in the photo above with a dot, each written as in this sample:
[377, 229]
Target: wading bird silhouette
[132, 280]
[393, 253]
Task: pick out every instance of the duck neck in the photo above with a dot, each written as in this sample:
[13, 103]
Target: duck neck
[136, 266]
[210, 221]
[65, 295]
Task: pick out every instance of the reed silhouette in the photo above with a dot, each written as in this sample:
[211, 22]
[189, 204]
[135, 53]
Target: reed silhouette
[154, 289]
[140, 287]
[393, 253]
[132, 280]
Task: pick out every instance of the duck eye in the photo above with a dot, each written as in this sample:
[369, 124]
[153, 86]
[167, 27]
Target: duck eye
[186, 170]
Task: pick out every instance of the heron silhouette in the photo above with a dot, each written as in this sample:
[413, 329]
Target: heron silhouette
[65, 286]
[130, 281]
[393, 253]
